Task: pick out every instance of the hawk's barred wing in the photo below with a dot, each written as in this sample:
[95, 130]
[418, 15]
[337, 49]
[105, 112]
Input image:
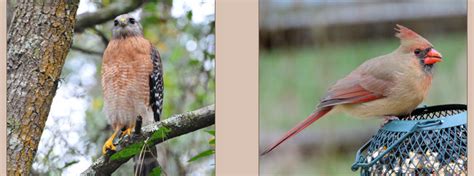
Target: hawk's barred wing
[156, 84]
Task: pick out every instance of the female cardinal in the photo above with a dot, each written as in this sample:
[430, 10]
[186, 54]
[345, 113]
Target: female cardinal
[389, 85]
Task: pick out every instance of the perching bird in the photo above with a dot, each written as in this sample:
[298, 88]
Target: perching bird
[389, 85]
[132, 82]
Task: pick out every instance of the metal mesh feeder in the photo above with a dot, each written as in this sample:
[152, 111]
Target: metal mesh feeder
[430, 141]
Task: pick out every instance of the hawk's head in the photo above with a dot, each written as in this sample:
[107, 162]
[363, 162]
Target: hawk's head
[126, 26]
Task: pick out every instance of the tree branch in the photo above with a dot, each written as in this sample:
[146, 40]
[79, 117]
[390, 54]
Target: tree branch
[86, 51]
[90, 19]
[102, 36]
[153, 134]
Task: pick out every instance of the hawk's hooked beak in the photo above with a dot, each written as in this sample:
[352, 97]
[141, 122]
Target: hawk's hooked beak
[122, 22]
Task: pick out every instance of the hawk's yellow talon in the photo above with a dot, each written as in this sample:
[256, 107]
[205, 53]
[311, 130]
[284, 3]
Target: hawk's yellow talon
[128, 132]
[109, 144]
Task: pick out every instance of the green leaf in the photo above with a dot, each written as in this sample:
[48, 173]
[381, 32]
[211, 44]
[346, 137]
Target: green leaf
[202, 155]
[189, 15]
[194, 62]
[159, 134]
[155, 172]
[212, 141]
[212, 132]
[127, 152]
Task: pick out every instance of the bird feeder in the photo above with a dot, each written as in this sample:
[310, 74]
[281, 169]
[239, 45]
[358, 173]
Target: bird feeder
[429, 141]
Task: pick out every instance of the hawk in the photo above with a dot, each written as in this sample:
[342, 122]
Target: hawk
[132, 80]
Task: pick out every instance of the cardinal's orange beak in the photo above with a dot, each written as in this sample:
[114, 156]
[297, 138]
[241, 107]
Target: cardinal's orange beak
[432, 57]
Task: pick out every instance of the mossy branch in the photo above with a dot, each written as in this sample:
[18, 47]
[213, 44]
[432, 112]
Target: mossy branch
[153, 134]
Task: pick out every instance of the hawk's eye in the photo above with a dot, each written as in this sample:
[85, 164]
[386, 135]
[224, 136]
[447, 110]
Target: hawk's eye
[417, 51]
[116, 22]
[131, 20]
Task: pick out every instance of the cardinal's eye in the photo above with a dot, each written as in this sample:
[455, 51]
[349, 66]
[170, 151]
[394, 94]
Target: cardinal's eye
[417, 51]
[131, 20]
[116, 22]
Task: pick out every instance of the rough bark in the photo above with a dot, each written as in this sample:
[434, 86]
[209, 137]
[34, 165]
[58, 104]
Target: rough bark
[38, 42]
[172, 127]
[90, 19]
[10, 7]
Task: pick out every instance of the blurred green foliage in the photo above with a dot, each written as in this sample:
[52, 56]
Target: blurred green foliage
[155, 172]
[207, 153]
[292, 80]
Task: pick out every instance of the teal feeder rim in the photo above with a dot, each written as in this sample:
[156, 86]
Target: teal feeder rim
[434, 118]
[428, 124]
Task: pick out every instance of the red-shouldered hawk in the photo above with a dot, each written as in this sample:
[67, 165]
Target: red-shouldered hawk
[132, 79]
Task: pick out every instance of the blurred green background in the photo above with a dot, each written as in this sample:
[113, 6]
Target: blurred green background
[295, 73]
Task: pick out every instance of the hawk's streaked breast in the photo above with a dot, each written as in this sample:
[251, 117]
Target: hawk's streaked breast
[126, 70]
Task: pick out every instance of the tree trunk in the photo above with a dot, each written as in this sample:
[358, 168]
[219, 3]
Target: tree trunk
[38, 41]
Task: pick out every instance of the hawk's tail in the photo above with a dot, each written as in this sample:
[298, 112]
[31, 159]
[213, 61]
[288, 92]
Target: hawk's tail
[145, 162]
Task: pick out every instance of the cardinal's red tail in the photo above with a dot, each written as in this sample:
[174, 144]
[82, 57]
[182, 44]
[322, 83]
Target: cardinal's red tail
[302, 125]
